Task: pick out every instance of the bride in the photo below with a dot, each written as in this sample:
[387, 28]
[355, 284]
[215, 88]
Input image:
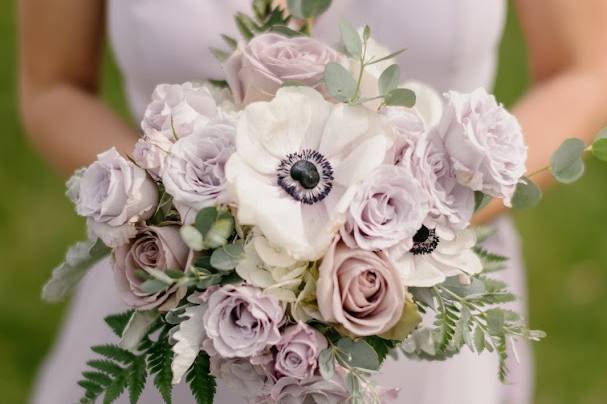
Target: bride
[451, 45]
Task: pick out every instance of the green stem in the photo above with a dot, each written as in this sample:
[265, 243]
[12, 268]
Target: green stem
[360, 73]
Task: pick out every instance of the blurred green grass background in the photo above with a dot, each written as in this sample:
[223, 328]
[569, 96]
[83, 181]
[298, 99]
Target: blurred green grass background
[565, 245]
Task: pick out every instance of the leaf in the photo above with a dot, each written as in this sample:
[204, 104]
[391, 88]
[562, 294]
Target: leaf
[286, 31]
[114, 390]
[495, 321]
[389, 79]
[339, 81]
[479, 339]
[220, 231]
[409, 320]
[366, 33]
[137, 328]
[423, 295]
[160, 357]
[599, 148]
[351, 39]
[115, 353]
[78, 259]
[246, 26]
[358, 354]
[480, 200]
[566, 163]
[476, 287]
[527, 194]
[326, 363]
[205, 219]
[381, 346]
[219, 54]
[192, 237]
[402, 97]
[304, 9]
[202, 383]
[118, 322]
[227, 257]
[262, 8]
[136, 380]
[188, 337]
[232, 43]
[152, 286]
[352, 385]
[105, 366]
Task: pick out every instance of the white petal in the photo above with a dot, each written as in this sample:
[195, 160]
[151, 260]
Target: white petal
[358, 164]
[345, 126]
[112, 236]
[466, 261]
[464, 240]
[271, 255]
[417, 271]
[189, 338]
[138, 325]
[428, 103]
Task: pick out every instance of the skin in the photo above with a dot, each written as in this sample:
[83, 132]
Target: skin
[60, 66]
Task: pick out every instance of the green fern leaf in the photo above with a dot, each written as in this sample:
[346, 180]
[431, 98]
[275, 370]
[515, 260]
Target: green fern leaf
[136, 379]
[114, 390]
[118, 322]
[160, 357]
[202, 383]
[108, 367]
[115, 353]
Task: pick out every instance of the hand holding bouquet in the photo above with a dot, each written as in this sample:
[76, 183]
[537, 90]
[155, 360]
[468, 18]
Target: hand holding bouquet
[288, 228]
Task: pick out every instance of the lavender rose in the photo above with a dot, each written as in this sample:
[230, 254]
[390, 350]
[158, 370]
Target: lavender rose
[241, 321]
[113, 192]
[298, 350]
[180, 107]
[485, 143]
[154, 248]
[314, 390]
[388, 208]
[241, 376]
[194, 172]
[151, 151]
[360, 290]
[257, 70]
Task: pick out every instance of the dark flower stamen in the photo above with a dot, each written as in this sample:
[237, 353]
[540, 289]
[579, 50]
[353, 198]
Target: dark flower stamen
[306, 175]
[425, 241]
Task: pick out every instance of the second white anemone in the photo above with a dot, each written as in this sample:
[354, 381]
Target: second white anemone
[297, 161]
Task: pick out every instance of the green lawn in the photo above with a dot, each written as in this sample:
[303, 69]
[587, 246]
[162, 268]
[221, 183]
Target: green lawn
[565, 250]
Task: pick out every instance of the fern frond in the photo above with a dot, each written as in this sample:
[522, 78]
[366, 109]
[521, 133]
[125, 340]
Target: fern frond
[202, 383]
[118, 322]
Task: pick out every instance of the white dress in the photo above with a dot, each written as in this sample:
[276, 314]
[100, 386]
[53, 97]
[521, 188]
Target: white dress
[451, 45]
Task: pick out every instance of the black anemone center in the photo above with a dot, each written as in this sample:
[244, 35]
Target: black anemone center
[425, 241]
[306, 173]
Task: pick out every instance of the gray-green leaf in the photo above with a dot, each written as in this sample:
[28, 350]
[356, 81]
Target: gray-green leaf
[326, 364]
[599, 148]
[351, 39]
[402, 97]
[357, 354]
[307, 8]
[227, 257]
[339, 81]
[389, 79]
[566, 163]
[527, 194]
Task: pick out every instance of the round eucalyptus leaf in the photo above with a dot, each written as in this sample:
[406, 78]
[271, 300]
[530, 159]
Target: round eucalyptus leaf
[358, 354]
[326, 363]
[527, 194]
[351, 39]
[303, 9]
[192, 238]
[339, 81]
[389, 79]
[566, 163]
[599, 148]
[402, 97]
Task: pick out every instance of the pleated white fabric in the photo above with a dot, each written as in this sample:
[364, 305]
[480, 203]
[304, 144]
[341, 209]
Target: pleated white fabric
[451, 45]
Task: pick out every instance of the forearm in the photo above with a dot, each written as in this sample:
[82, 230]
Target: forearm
[570, 104]
[70, 126]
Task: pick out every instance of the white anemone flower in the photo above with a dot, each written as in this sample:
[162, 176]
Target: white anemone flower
[298, 160]
[434, 258]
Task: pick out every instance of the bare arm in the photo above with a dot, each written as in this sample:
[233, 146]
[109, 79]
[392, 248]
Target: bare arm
[566, 43]
[61, 49]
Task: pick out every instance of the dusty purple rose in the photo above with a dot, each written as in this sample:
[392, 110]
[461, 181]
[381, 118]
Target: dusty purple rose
[153, 248]
[388, 208]
[180, 107]
[408, 128]
[194, 172]
[485, 143]
[241, 376]
[315, 390]
[241, 321]
[113, 190]
[151, 151]
[298, 350]
[360, 290]
[258, 69]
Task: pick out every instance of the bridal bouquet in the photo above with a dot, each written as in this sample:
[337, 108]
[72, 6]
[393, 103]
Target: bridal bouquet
[289, 228]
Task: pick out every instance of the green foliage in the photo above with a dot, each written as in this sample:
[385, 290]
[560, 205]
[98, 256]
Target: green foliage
[160, 357]
[566, 164]
[339, 81]
[357, 354]
[118, 322]
[215, 225]
[227, 257]
[381, 346]
[201, 382]
[527, 194]
[401, 97]
[304, 9]
[389, 79]
[351, 40]
[599, 147]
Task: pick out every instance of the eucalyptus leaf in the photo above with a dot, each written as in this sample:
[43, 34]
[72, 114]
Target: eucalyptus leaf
[599, 148]
[286, 31]
[527, 194]
[152, 286]
[352, 384]
[357, 354]
[220, 231]
[339, 81]
[304, 9]
[566, 163]
[389, 79]
[351, 39]
[402, 97]
[476, 286]
[205, 219]
[326, 363]
[495, 321]
[227, 257]
[192, 238]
